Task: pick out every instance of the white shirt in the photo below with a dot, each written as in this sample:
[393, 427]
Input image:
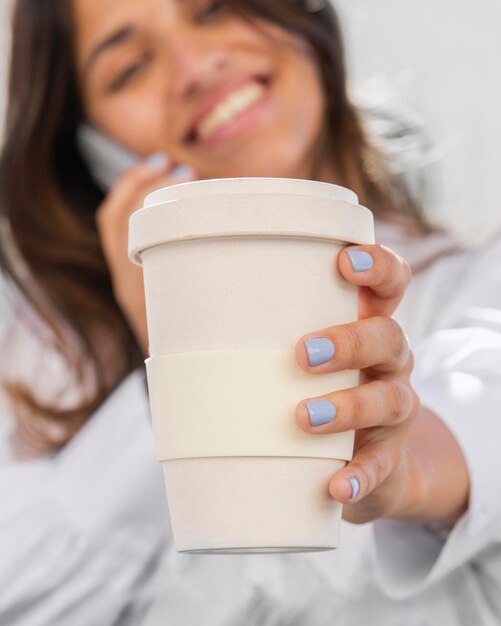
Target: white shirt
[85, 536]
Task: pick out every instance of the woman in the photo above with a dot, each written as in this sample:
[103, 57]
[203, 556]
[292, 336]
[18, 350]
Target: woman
[198, 90]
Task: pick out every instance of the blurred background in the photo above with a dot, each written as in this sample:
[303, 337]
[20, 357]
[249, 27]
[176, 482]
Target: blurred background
[439, 59]
[437, 65]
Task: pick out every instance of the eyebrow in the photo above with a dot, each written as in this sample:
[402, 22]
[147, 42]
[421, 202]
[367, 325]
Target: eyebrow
[115, 39]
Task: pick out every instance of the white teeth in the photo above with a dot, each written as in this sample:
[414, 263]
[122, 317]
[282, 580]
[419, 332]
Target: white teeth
[229, 108]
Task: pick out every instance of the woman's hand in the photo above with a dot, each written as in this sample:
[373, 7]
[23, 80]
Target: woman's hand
[112, 219]
[393, 468]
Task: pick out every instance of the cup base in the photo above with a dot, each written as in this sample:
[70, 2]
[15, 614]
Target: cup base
[256, 550]
[252, 505]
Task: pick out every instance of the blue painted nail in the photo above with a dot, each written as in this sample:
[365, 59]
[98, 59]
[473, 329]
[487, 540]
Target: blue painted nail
[182, 171]
[321, 412]
[158, 160]
[320, 350]
[360, 260]
[355, 487]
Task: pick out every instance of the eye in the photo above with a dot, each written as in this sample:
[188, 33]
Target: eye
[131, 70]
[210, 10]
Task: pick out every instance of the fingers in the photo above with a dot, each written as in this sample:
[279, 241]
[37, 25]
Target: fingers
[377, 342]
[112, 217]
[382, 275]
[369, 469]
[380, 411]
[378, 403]
[129, 192]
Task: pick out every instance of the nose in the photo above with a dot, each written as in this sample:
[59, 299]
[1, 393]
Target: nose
[197, 61]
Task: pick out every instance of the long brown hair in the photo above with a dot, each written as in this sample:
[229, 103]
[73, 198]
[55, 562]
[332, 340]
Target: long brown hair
[50, 245]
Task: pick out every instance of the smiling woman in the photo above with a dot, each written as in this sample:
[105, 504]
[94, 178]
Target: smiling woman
[198, 90]
[229, 88]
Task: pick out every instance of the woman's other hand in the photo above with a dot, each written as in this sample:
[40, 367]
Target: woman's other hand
[112, 219]
[400, 463]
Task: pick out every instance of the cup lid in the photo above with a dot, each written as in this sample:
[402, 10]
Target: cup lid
[233, 207]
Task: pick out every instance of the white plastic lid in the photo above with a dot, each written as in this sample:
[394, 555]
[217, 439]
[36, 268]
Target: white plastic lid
[235, 207]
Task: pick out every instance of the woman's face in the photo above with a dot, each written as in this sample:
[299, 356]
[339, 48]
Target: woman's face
[205, 86]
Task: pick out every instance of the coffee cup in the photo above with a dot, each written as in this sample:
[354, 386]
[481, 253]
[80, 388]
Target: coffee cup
[235, 272]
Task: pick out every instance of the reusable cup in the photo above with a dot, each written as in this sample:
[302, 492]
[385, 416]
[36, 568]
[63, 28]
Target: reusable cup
[235, 272]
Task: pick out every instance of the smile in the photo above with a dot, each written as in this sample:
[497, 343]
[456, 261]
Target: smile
[229, 112]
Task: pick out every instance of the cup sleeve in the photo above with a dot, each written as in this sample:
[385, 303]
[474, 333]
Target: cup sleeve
[458, 377]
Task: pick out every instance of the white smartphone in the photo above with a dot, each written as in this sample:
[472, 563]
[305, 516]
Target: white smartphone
[107, 159]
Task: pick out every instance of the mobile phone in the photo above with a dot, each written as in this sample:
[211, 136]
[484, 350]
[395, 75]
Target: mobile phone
[106, 159]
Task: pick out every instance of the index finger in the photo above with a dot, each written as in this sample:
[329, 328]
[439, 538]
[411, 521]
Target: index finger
[131, 188]
[381, 274]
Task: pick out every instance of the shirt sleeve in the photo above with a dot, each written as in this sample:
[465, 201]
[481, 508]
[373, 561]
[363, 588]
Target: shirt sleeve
[458, 377]
[82, 532]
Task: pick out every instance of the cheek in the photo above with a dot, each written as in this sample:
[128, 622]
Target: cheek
[138, 116]
[300, 99]
[134, 121]
[299, 119]
[306, 100]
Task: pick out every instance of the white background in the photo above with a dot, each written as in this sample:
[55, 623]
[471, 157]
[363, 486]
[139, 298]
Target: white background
[442, 58]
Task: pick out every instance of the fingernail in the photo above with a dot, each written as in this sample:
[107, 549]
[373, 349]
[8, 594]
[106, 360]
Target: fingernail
[320, 350]
[321, 412]
[360, 260]
[182, 171]
[355, 487]
[158, 160]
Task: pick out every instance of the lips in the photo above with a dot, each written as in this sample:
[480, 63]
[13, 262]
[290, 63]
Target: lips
[226, 104]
